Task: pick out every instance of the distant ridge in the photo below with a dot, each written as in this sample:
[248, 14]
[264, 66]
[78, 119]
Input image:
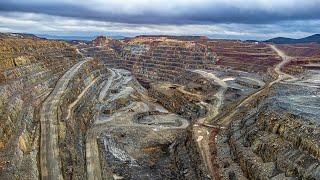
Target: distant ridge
[72, 38]
[20, 35]
[186, 38]
[282, 40]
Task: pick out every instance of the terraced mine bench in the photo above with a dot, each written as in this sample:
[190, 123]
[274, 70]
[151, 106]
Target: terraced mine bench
[28, 74]
[211, 110]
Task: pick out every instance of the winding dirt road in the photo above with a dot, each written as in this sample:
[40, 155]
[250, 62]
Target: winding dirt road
[92, 150]
[285, 60]
[49, 151]
[202, 132]
[123, 117]
[213, 111]
[225, 121]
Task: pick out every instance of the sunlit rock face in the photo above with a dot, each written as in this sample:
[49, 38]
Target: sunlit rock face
[158, 107]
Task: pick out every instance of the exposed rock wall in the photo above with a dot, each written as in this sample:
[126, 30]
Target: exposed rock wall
[29, 70]
[77, 110]
[161, 60]
[49, 101]
[174, 97]
[266, 142]
[98, 122]
[244, 56]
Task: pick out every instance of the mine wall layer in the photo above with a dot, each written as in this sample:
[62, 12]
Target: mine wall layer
[76, 116]
[259, 144]
[49, 93]
[163, 62]
[243, 56]
[166, 61]
[262, 144]
[30, 95]
[29, 71]
[130, 145]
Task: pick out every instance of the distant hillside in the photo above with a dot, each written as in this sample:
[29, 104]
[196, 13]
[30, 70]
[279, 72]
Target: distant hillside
[281, 40]
[19, 35]
[184, 38]
[72, 38]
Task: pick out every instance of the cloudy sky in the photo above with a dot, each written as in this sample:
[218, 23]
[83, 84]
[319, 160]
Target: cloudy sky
[241, 19]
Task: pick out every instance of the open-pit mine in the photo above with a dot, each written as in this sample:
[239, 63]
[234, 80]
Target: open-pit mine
[158, 107]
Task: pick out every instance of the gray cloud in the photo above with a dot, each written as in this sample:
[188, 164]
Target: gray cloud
[241, 19]
[173, 11]
[57, 25]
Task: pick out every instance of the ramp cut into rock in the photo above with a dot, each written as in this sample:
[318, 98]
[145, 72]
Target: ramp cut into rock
[49, 151]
